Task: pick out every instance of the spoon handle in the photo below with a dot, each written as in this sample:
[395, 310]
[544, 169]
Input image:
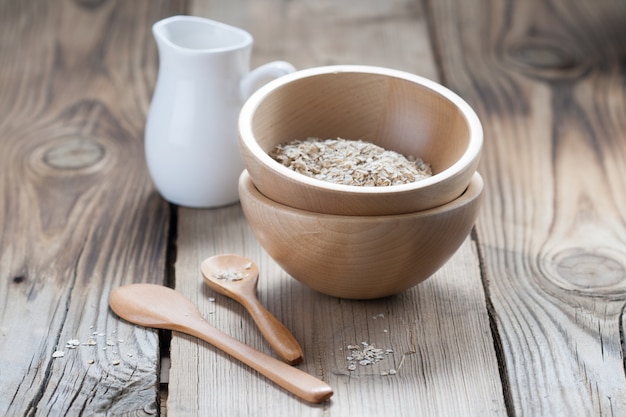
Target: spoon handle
[292, 379]
[279, 337]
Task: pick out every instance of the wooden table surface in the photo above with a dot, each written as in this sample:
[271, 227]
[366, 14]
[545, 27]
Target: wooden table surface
[525, 320]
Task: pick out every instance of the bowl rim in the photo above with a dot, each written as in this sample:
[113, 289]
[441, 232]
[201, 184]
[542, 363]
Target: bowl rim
[471, 154]
[473, 191]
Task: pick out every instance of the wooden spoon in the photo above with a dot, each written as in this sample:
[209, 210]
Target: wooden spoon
[236, 277]
[156, 306]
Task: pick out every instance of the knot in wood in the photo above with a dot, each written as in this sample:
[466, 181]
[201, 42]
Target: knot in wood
[151, 408]
[545, 60]
[544, 56]
[90, 4]
[73, 153]
[592, 272]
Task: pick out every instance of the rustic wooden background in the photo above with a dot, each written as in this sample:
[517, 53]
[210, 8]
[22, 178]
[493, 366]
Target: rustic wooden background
[525, 320]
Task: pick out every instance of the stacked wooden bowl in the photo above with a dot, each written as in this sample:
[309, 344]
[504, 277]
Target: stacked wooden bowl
[353, 241]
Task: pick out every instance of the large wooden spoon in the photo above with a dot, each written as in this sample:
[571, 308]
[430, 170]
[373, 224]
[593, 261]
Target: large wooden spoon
[236, 277]
[160, 307]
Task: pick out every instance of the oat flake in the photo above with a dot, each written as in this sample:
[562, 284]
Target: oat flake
[72, 344]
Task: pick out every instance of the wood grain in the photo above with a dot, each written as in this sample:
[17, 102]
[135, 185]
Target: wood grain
[525, 320]
[439, 332]
[548, 80]
[79, 215]
[390, 33]
[440, 343]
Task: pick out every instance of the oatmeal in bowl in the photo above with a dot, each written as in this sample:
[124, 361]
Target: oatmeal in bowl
[398, 112]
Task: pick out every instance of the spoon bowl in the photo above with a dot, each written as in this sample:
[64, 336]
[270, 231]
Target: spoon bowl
[236, 277]
[160, 307]
[230, 275]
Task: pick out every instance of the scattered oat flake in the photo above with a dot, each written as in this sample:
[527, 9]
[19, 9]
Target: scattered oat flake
[116, 362]
[58, 354]
[364, 355]
[91, 362]
[90, 342]
[72, 344]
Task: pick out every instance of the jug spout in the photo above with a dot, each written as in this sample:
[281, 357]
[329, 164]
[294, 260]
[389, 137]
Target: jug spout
[186, 34]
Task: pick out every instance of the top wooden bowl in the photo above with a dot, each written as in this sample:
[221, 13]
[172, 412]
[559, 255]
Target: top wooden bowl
[393, 109]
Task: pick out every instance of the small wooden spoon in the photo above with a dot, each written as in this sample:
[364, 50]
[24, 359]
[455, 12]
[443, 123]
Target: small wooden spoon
[160, 307]
[236, 277]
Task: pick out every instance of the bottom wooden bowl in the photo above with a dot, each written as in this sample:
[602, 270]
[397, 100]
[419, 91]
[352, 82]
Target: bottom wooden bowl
[360, 257]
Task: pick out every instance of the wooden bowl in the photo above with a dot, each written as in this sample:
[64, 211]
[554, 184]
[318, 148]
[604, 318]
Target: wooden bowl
[393, 109]
[360, 257]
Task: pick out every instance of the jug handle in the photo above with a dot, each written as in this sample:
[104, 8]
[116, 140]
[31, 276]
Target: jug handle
[250, 82]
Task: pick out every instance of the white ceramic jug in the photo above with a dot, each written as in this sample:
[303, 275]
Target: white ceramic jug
[191, 132]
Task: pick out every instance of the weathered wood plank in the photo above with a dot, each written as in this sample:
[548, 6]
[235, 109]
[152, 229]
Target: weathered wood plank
[439, 332]
[548, 80]
[326, 32]
[78, 214]
[443, 352]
